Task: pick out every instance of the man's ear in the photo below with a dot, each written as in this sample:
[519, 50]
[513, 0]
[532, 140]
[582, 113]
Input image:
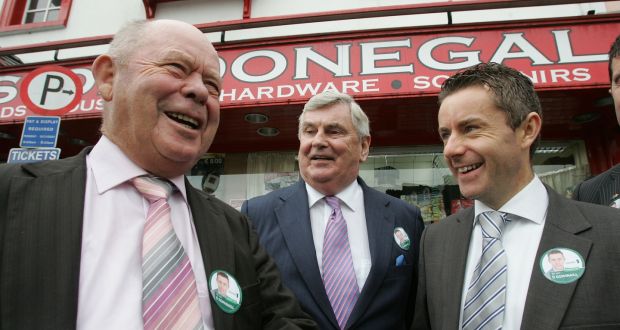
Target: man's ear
[104, 70]
[365, 148]
[531, 127]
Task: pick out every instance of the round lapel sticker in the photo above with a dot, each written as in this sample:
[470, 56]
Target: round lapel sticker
[225, 291]
[562, 265]
[401, 238]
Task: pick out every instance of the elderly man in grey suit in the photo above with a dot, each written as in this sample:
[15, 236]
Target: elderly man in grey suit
[604, 188]
[484, 267]
[295, 225]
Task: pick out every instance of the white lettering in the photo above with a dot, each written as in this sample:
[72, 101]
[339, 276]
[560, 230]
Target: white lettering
[425, 54]
[565, 50]
[340, 68]
[370, 57]
[9, 91]
[527, 50]
[279, 65]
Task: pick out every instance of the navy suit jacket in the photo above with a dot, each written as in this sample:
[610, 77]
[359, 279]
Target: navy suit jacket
[282, 220]
[591, 302]
[599, 189]
[41, 213]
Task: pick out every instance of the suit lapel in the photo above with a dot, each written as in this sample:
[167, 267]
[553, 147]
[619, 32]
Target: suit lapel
[547, 302]
[453, 263]
[293, 217]
[380, 224]
[44, 226]
[216, 244]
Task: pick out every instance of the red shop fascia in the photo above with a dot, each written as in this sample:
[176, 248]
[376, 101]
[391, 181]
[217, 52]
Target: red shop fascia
[394, 74]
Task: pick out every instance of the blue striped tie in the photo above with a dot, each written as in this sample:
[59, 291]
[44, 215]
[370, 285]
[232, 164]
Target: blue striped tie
[486, 295]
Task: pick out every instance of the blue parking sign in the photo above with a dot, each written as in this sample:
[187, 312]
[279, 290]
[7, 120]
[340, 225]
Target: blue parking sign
[40, 132]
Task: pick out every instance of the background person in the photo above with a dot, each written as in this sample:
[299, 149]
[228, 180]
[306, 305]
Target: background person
[480, 266]
[294, 225]
[72, 255]
[604, 188]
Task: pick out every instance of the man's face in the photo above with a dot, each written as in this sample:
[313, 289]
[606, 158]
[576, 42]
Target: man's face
[165, 106]
[222, 285]
[615, 85]
[330, 151]
[400, 236]
[488, 158]
[557, 261]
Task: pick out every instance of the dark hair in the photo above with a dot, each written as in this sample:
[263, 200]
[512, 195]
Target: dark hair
[614, 52]
[512, 91]
[222, 274]
[555, 251]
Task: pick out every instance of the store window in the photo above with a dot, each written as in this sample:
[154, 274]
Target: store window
[30, 15]
[417, 175]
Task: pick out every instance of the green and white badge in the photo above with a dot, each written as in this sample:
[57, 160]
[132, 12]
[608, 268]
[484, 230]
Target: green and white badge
[401, 238]
[225, 291]
[562, 265]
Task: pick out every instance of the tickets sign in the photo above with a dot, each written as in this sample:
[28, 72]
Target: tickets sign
[403, 64]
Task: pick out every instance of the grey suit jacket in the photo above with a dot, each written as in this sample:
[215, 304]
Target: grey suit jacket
[282, 220]
[41, 213]
[592, 302]
[599, 189]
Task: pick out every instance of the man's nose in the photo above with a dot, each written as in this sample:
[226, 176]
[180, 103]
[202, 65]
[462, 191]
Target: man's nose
[453, 146]
[195, 88]
[319, 139]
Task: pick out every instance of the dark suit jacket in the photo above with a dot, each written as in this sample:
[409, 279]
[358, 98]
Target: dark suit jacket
[592, 302]
[599, 189]
[282, 220]
[41, 213]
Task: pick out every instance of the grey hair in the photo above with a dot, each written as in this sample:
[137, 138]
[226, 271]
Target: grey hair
[127, 40]
[331, 97]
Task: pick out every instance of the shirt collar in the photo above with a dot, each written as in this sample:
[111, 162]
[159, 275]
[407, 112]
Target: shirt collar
[346, 196]
[111, 167]
[530, 203]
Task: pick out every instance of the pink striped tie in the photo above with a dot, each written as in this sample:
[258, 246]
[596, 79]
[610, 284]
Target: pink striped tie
[338, 272]
[169, 296]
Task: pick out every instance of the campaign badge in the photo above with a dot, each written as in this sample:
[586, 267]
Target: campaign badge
[401, 238]
[562, 265]
[225, 291]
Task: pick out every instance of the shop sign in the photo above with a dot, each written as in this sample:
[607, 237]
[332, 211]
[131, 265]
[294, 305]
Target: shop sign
[404, 65]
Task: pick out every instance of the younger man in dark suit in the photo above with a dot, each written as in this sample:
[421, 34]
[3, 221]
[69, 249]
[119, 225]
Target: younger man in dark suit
[484, 267]
[295, 225]
[74, 233]
[604, 188]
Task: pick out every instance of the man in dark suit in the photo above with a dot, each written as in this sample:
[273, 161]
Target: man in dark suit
[484, 267]
[293, 223]
[71, 230]
[604, 188]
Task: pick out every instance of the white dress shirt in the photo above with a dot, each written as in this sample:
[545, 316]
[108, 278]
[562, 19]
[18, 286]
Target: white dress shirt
[110, 291]
[352, 206]
[520, 239]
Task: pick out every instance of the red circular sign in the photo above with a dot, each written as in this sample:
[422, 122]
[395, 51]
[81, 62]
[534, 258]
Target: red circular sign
[51, 90]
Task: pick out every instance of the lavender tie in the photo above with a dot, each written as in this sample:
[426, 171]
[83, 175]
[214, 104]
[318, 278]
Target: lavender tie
[338, 272]
[169, 296]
